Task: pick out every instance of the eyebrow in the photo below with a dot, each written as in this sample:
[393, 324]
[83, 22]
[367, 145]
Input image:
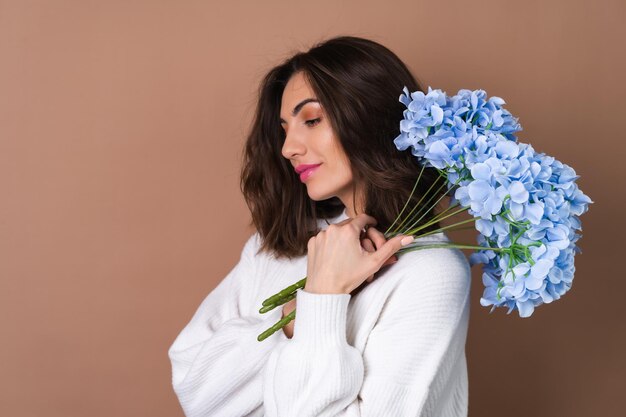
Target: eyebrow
[299, 106]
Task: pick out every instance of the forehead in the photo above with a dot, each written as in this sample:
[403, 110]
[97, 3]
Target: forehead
[296, 90]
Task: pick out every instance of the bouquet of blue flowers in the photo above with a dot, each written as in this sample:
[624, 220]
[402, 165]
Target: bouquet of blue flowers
[525, 205]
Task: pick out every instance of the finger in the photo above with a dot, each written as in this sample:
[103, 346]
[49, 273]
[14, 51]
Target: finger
[379, 240]
[368, 245]
[390, 247]
[376, 236]
[344, 221]
[362, 220]
[391, 260]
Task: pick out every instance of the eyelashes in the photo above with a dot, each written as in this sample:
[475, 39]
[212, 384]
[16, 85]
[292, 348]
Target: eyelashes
[309, 123]
[313, 122]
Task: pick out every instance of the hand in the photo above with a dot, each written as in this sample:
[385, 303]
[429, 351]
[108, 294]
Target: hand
[336, 261]
[374, 237]
[288, 307]
[374, 240]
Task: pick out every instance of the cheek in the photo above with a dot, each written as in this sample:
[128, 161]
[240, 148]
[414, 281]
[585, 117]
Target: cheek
[336, 157]
[342, 165]
[345, 172]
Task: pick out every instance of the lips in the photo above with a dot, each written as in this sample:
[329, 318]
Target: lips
[303, 167]
[306, 170]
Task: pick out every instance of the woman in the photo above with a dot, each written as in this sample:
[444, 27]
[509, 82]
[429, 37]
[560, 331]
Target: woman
[322, 178]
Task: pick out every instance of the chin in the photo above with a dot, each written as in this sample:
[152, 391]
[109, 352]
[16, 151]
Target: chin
[320, 189]
[318, 196]
[318, 193]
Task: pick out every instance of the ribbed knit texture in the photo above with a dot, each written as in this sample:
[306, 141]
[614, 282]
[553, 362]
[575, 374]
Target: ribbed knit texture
[397, 348]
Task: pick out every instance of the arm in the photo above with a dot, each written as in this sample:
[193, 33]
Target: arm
[317, 373]
[216, 359]
[415, 353]
[407, 368]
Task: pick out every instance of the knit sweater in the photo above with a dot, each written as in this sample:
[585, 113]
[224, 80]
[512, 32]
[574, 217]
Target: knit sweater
[396, 348]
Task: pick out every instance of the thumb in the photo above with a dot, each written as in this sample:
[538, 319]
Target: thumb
[392, 246]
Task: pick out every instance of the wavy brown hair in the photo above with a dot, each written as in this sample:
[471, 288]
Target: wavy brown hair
[358, 83]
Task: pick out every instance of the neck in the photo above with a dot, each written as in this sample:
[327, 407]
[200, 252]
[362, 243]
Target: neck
[348, 201]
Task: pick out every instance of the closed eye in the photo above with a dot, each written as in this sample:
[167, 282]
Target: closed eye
[312, 122]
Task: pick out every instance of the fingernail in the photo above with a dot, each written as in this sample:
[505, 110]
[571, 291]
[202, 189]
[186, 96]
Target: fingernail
[405, 241]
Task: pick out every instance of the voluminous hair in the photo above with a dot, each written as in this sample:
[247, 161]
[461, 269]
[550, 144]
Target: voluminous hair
[358, 83]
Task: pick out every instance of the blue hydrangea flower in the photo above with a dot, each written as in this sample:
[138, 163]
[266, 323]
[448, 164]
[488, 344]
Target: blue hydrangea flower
[526, 204]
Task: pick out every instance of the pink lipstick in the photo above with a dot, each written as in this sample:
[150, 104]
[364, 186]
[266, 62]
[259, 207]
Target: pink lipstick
[306, 170]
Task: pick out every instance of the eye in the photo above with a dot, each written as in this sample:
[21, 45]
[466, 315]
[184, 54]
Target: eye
[312, 122]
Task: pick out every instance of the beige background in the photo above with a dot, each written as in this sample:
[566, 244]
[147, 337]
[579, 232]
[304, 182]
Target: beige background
[121, 127]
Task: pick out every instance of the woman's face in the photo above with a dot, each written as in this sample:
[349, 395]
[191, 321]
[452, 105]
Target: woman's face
[310, 140]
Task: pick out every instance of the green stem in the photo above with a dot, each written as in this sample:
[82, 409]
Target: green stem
[473, 219]
[414, 208]
[409, 199]
[472, 227]
[436, 217]
[285, 292]
[434, 205]
[410, 218]
[278, 326]
[290, 292]
[435, 220]
[282, 301]
[448, 245]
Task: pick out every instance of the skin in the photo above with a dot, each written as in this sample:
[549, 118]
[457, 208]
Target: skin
[346, 254]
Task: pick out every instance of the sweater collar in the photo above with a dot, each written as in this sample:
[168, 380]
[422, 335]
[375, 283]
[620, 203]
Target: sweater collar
[341, 217]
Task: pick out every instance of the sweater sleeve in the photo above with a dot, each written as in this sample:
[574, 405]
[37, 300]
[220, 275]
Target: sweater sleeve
[216, 359]
[409, 367]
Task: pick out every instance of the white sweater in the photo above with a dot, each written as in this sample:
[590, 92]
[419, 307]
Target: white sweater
[396, 348]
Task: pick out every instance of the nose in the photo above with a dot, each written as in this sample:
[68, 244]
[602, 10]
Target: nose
[293, 145]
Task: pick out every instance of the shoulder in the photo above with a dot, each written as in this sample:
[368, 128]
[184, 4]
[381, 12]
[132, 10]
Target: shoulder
[263, 262]
[251, 248]
[248, 259]
[434, 272]
[251, 251]
[429, 297]
[252, 244]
